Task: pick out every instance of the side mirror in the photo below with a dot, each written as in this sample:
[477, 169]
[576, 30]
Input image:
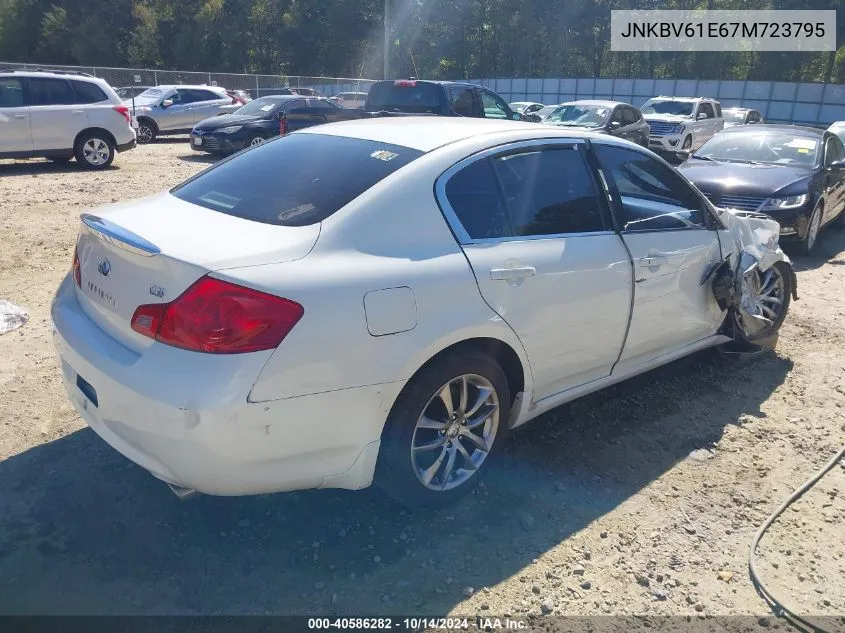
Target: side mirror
[701, 115]
[167, 103]
[615, 125]
[837, 165]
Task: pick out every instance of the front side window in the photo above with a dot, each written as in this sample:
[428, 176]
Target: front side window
[707, 110]
[297, 180]
[494, 106]
[629, 116]
[833, 151]
[11, 92]
[653, 196]
[45, 92]
[463, 101]
[618, 117]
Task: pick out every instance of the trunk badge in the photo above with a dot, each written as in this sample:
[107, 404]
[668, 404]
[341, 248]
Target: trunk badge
[157, 291]
[104, 267]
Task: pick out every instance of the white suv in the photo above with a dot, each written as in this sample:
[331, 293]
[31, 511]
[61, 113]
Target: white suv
[681, 123]
[60, 115]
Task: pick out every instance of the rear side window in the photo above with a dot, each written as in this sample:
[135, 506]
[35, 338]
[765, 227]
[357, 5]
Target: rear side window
[87, 92]
[407, 96]
[11, 92]
[528, 193]
[296, 180]
[44, 92]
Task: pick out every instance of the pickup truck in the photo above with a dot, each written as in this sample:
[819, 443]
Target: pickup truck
[266, 117]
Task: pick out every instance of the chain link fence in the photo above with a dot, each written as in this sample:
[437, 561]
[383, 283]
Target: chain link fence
[256, 85]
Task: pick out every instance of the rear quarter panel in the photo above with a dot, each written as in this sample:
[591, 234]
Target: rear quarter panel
[392, 236]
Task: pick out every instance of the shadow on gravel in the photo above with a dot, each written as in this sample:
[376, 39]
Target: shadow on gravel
[830, 246]
[82, 530]
[38, 166]
[208, 159]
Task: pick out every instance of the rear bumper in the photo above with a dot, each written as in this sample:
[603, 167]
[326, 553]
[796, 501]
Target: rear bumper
[129, 145]
[185, 417]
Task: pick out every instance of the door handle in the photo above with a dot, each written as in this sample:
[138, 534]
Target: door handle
[20, 116]
[652, 261]
[79, 111]
[505, 274]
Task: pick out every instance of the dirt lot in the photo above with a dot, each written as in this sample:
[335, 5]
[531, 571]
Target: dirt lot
[598, 507]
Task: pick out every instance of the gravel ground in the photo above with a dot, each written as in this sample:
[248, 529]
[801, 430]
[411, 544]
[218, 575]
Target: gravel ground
[639, 500]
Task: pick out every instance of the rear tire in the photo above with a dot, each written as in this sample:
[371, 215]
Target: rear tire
[94, 150]
[427, 459]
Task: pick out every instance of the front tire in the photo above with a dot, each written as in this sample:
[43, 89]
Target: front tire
[807, 244]
[94, 150]
[147, 131]
[444, 431]
[255, 140]
[773, 296]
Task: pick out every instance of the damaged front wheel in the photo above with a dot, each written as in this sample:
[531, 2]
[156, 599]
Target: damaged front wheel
[766, 296]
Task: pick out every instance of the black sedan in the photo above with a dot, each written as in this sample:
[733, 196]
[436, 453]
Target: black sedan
[611, 117]
[258, 121]
[794, 174]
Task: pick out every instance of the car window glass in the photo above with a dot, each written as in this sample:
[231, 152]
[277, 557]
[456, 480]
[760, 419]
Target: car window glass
[718, 108]
[707, 109]
[11, 92]
[618, 117]
[463, 101]
[206, 95]
[832, 152]
[43, 91]
[293, 104]
[319, 103]
[838, 148]
[86, 92]
[322, 174]
[494, 107]
[475, 196]
[653, 195]
[629, 116]
[549, 192]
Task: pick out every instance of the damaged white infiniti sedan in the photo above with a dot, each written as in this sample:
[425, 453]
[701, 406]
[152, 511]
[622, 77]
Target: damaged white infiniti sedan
[384, 300]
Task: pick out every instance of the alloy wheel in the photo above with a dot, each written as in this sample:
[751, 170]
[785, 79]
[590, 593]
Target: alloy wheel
[765, 294]
[144, 134]
[455, 433]
[813, 229]
[96, 151]
[256, 141]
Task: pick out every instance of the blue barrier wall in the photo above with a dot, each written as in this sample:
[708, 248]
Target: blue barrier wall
[801, 103]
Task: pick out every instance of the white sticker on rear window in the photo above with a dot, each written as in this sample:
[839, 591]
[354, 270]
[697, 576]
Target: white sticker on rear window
[802, 143]
[384, 155]
[267, 108]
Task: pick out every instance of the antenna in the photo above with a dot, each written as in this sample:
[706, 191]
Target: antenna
[416, 72]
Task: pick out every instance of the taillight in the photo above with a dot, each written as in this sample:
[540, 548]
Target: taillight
[405, 83]
[218, 317]
[123, 110]
[283, 126]
[76, 268]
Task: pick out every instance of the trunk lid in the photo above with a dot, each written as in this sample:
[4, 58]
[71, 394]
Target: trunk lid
[151, 250]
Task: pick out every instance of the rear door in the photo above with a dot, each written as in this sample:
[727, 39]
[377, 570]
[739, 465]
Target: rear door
[54, 117]
[15, 133]
[538, 239]
[834, 178]
[673, 242]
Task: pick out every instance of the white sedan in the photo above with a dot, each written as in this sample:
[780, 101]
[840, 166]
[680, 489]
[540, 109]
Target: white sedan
[382, 301]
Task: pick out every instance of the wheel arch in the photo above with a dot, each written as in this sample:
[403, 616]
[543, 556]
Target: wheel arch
[109, 136]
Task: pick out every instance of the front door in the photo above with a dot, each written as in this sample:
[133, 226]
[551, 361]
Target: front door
[538, 239]
[673, 244]
[834, 184]
[15, 133]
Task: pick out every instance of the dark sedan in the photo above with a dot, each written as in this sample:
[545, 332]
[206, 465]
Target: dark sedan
[256, 122]
[794, 174]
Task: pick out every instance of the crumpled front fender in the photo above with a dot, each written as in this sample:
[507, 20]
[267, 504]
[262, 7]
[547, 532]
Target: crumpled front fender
[755, 249]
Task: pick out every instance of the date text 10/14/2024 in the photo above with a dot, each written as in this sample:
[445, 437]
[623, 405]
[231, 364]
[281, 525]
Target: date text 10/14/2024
[417, 624]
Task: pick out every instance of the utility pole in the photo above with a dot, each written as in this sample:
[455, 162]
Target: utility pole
[386, 38]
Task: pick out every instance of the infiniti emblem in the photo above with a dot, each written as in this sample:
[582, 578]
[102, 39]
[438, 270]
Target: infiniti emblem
[104, 267]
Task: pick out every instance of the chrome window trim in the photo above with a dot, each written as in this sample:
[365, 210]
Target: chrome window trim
[452, 218]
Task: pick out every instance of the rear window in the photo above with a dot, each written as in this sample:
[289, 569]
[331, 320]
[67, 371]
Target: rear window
[407, 96]
[296, 180]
